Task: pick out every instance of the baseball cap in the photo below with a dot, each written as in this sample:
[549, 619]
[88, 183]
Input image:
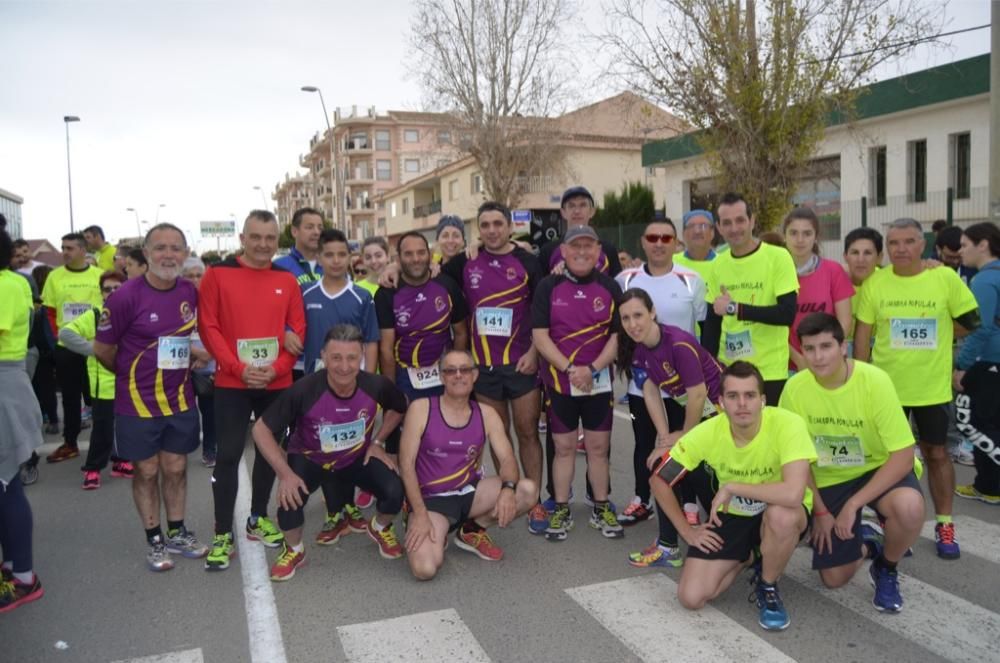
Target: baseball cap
[576, 232]
[575, 191]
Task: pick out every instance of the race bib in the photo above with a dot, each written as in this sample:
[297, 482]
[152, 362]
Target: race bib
[738, 345]
[913, 333]
[839, 451]
[494, 321]
[173, 353]
[340, 437]
[71, 311]
[257, 351]
[744, 506]
[707, 409]
[424, 378]
[601, 385]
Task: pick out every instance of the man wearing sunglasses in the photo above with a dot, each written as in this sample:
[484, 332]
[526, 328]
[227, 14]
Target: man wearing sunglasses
[440, 460]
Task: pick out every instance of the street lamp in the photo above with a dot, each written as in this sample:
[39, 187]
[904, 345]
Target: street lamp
[158, 208]
[138, 227]
[326, 118]
[263, 198]
[69, 179]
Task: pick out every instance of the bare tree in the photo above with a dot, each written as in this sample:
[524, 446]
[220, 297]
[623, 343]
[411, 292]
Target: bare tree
[760, 85]
[500, 68]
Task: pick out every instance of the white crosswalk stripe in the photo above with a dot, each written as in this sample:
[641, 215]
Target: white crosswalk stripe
[643, 613]
[974, 537]
[440, 635]
[186, 656]
[943, 623]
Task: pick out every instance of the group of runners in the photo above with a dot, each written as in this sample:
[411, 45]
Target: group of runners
[758, 423]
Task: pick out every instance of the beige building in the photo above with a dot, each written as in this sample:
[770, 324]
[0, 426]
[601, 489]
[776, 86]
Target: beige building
[293, 192]
[603, 143]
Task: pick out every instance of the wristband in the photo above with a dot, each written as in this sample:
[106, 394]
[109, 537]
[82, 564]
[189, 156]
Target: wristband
[509, 484]
[592, 369]
[817, 514]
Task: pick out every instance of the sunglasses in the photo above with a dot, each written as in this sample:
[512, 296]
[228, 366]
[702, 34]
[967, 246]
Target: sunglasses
[361, 272]
[107, 290]
[662, 239]
[452, 371]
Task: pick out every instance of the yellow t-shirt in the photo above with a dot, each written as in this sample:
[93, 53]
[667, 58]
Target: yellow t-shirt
[16, 313]
[911, 317]
[106, 257]
[367, 285]
[782, 439]
[756, 279]
[702, 267]
[72, 293]
[854, 427]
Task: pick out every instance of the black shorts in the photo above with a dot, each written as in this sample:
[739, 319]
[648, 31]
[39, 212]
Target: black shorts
[141, 438]
[740, 536]
[834, 498]
[504, 383]
[931, 422]
[567, 412]
[456, 508]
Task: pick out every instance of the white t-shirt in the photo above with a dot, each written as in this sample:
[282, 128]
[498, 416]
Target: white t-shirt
[678, 296]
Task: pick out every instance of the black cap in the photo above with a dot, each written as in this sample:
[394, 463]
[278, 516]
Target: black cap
[575, 191]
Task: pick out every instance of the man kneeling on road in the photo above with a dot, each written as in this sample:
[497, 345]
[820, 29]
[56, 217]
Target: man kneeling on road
[440, 458]
[333, 412]
[761, 458]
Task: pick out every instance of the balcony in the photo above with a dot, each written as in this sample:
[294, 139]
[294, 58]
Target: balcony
[421, 211]
[538, 184]
[359, 175]
[358, 146]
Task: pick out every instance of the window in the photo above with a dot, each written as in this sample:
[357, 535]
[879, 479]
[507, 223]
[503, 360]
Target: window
[477, 183]
[411, 136]
[444, 137]
[382, 141]
[916, 171]
[406, 205]
[452, 189]
[876, 176]
[383, 170]
[392, 210]
[411, 165]
[960, 164]
[359, 141]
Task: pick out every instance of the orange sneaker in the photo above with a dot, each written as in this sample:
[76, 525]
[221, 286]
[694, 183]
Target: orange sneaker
[479, 543]
[388, 544]
[284, 567]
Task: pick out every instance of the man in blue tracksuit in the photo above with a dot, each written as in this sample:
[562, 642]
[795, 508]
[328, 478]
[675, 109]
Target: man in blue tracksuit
[301, 261]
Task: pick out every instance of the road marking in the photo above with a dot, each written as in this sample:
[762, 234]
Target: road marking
[186, 656]
[644, 614]
[943, 623]
[974, 536]
[266, 645]
[440, 635]
[621, 414]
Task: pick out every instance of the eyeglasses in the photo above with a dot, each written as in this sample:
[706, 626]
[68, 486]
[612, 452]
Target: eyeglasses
[360, 272]
[662, 239]
[452, 371]
[107, 290]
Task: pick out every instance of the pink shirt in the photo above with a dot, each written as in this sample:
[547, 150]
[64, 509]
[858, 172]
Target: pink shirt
[818, 292]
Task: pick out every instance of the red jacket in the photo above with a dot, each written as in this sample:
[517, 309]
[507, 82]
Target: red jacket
[236, 301]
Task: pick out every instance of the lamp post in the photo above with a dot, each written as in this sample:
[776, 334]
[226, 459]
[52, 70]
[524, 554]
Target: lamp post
[69, 179]
[329, 130]
[158, 208]
[138, 226]
[263, 198]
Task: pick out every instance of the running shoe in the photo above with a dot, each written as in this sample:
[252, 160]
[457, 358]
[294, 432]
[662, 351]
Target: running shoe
[355, 519]
[550, 503]
[122, 469]
[334, 527]
[589, 501]
[364, 499]
[969, 492]
[543, 426]
[560, 523]
[773, 616]
[14, 593]
[265, 532]
[636, 512]
[63, 452]
[479, 543]
[872, 533]
[208, 460]
[947, 546]
[222, 551]
[29, 470]
[158, 559]
[604, 519]
[289, 560]
[623, 399]
[388, 544]
[657, 556]
[538, 519]
[886, 583]
[961, 453]
[581, 448]
[51, 429]
[91, 480]
[182, 541]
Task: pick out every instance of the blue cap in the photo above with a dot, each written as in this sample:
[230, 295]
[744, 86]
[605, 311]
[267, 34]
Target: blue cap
[450, 220]
[696, 213]
[573, 192]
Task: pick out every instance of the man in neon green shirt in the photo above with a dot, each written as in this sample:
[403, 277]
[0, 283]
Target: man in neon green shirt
[699, 231]
[864, 449]
[752, 289]
[103, 252]
[911, 311]
[760, 457]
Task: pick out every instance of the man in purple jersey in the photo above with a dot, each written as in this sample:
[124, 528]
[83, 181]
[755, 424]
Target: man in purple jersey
[577, 209]
[144, 337]
[574, 318]
[440, 459]
[332, 413]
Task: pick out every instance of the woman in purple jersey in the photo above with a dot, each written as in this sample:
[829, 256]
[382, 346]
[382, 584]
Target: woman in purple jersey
[662, 357]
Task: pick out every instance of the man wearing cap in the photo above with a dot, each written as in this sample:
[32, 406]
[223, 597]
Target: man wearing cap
[699, 231]
[577, 209]
[574, 315]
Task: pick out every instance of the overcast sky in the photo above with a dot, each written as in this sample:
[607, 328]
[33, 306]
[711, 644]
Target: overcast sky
[192, 104]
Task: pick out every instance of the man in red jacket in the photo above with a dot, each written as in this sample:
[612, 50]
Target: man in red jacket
[246, 308]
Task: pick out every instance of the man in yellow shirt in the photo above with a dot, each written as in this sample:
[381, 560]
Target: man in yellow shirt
[864, 449]
[752, 292]
[912, 313]
[760, 457]
[103, 252]
[699, 231]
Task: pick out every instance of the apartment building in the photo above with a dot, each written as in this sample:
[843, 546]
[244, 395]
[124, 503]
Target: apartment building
[10, 207]
[295, 191]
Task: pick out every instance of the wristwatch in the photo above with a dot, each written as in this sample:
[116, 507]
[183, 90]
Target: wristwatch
[732, 308]
[509, 484]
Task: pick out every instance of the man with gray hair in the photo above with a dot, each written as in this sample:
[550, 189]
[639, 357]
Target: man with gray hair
[911, 309]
